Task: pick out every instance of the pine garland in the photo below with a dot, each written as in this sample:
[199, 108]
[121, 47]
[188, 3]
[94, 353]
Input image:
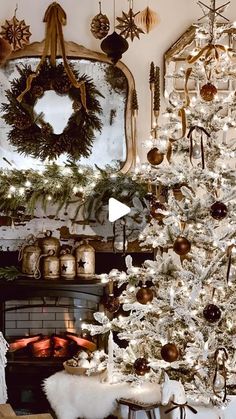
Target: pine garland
[22, 190]
[31, 135]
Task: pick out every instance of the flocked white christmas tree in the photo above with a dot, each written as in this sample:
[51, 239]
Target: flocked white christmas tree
[179, 311]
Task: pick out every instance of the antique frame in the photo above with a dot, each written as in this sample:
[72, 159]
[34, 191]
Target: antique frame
[74, 50]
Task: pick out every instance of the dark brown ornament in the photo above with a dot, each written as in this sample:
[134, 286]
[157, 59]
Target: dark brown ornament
[141, 366]
[169, 352]
[127, 25]
[155, 206]
[114, 46]
[208, 92]
[212, 313]
[219, 210]
[5, 51]
[182, 246]
[155, 157]
[112, 303]
[144, 295]
[100, 25]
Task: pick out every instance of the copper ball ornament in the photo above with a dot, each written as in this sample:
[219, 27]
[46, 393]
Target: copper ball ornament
[114, 46]
[144, 295]
[219, 211]
[112, 303]
[208, 92]
[155, 157]
[141, 366]
[182, 246]
[169, 352]
[212, 313]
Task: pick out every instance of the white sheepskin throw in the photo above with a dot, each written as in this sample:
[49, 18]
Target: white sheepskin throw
[3, 363]
[73, 397]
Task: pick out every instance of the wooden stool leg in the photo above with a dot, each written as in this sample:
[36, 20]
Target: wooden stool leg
[151, 414]
[132, 414]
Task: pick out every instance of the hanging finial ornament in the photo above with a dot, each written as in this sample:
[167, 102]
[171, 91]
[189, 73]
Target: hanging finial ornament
[147, 19]
[127, 25]
[100, 25]
[16, 32]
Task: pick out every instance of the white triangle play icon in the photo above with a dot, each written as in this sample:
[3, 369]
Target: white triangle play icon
[116, 210]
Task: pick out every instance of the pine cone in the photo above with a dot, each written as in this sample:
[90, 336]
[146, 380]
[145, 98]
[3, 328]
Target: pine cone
[37, 90]
[77, 105]
[46, 130]
[22, 121]
[100, 26]
[62, 85]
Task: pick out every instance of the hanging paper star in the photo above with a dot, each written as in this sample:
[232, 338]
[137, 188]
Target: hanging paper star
[212, 10]
[81, 264]
[16, 32]
[127, 25]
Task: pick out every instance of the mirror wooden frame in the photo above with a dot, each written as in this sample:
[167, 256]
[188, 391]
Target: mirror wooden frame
[74, 50]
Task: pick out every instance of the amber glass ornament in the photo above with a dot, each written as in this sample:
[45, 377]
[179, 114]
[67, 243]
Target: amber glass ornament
[114, 46]
[112, 303]
[208, 92]
[212, 313]
[141, 366]
[155, 206]
[144, 295]
[169, 352]
[182, 246]
[155, 157]
[219, 210]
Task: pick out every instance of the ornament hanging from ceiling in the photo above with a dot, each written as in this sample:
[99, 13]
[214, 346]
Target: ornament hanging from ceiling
[127, 25]
[100, 25]
[114, 46]
[147, 19]
[16, 32]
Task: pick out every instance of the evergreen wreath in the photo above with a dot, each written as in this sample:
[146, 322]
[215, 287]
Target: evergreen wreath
[31, 135]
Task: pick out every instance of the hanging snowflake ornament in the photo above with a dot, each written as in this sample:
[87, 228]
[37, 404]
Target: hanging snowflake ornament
[127, 25]
[16, 32]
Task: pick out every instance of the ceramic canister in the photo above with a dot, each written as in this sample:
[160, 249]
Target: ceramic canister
[85, 260]
[67, 265]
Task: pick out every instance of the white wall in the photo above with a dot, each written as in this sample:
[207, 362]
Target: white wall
[175, 17]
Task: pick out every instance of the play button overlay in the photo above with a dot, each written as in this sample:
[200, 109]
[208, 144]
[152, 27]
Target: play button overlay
[116, 210]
